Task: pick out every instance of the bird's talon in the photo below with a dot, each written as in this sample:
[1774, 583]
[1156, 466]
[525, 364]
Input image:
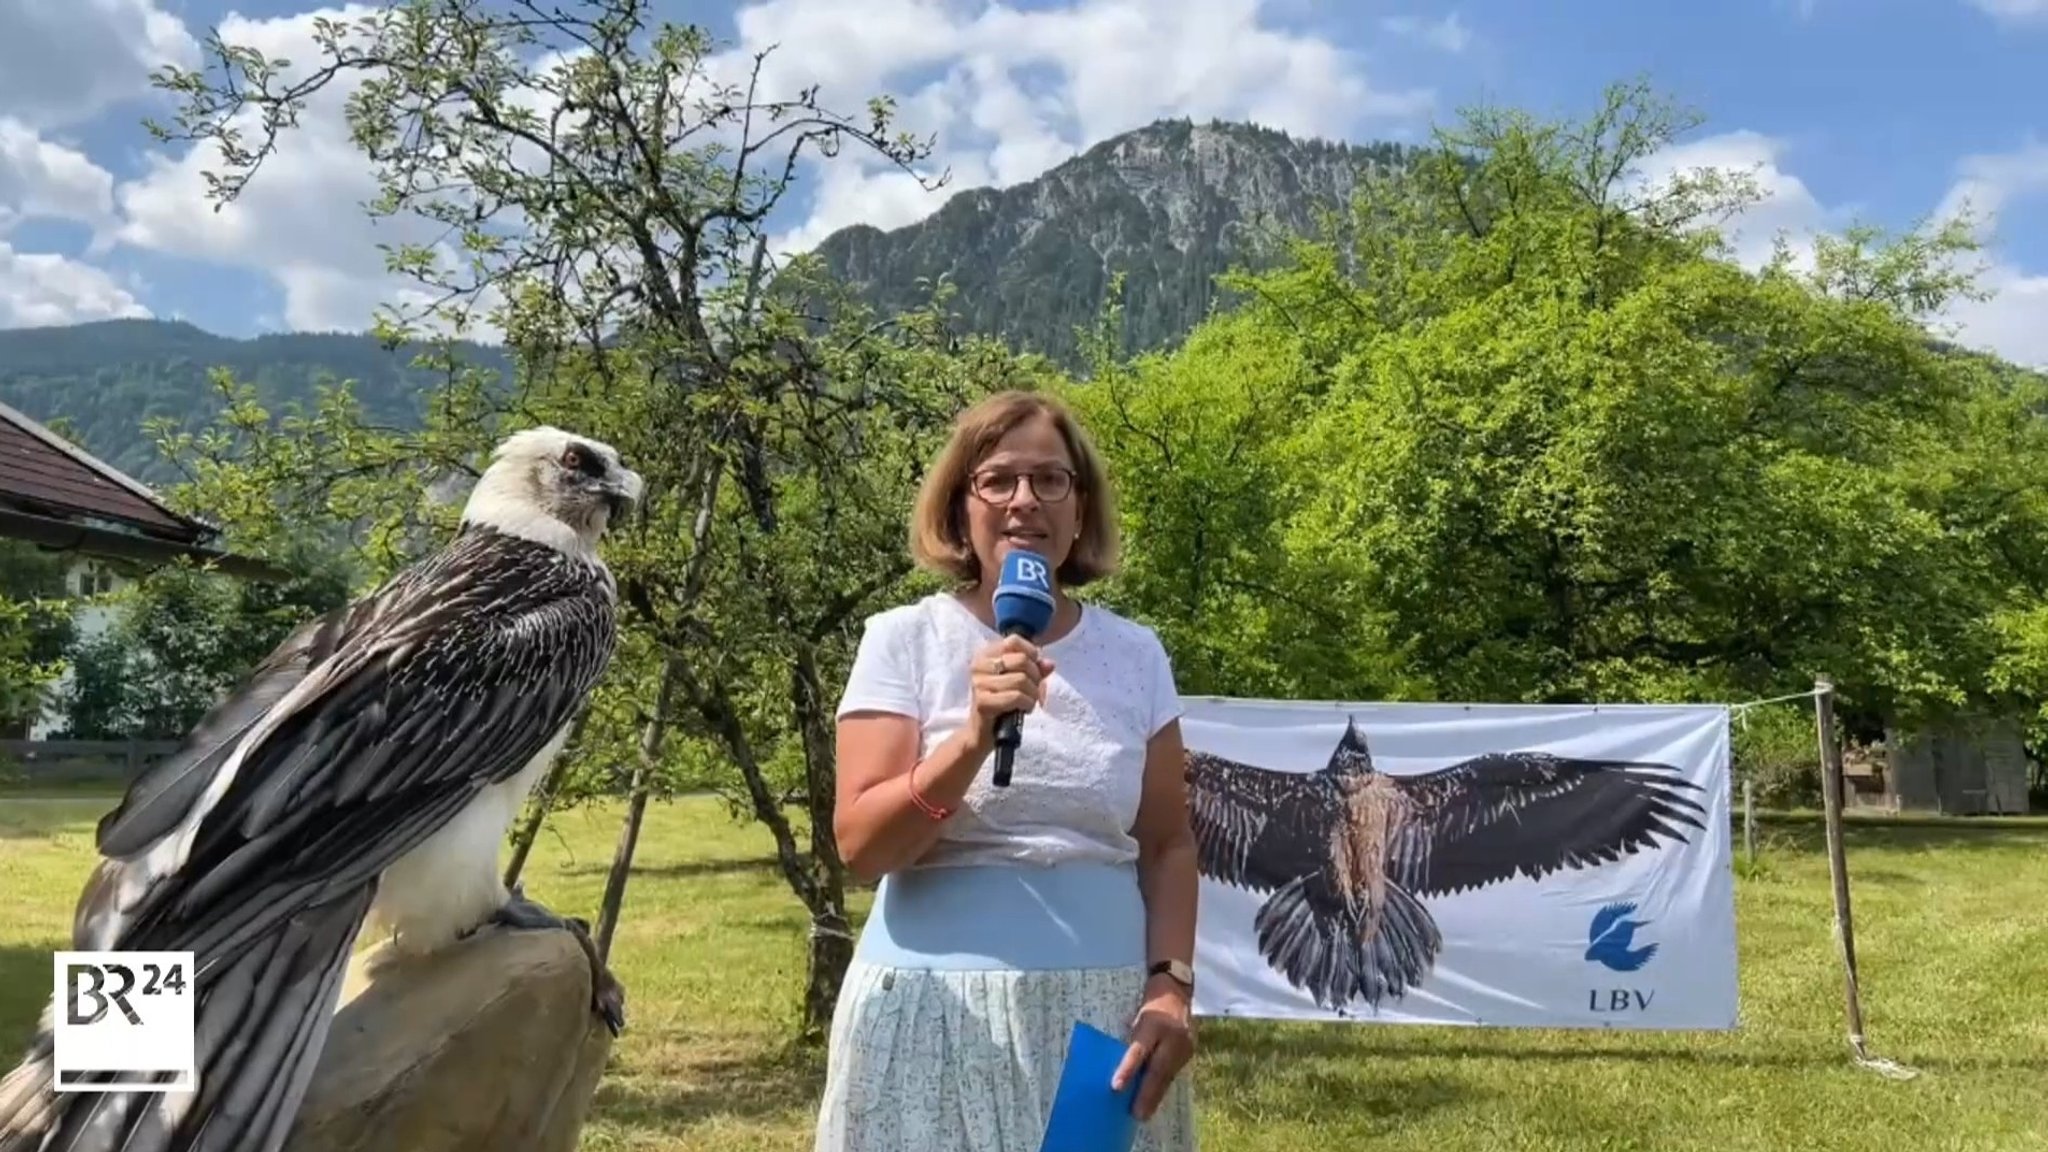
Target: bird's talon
[609, 1002]
[607, 995]
[519, 912]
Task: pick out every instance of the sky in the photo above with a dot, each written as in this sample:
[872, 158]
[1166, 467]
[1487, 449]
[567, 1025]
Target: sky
[1885, 112]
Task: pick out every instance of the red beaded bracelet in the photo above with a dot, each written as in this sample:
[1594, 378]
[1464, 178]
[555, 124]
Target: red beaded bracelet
[927, 807]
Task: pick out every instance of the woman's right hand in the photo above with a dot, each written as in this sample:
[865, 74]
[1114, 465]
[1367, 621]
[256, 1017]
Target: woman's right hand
[1008, 675]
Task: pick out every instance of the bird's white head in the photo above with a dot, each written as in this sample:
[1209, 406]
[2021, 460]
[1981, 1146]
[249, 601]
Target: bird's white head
[555, 487]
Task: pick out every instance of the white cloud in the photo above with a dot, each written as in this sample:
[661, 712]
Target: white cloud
[1010, 92]
[2013, 11]
[1986, 184]
[65, 61]
[2007, 322]
[302, 218]
[40, 179]
[39, 289]
[1784, 206]
[1448, 34]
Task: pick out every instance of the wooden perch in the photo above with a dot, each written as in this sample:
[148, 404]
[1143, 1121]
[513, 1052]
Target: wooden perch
[489, 1047]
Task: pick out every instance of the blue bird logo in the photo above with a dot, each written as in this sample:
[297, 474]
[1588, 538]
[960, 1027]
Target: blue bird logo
[1610, 939]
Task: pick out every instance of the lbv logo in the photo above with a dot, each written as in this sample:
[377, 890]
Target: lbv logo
[1611, 943]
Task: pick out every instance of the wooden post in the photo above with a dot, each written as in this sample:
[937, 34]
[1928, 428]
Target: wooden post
[1749, 820]
[1838, 869]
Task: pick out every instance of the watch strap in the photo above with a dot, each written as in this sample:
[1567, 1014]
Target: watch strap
[1178, 969]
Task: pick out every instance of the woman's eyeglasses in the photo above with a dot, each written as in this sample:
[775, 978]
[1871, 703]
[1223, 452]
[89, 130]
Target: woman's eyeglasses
[998, 486]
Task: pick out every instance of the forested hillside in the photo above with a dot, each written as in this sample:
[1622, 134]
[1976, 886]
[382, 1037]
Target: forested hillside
[100, 382]
[1166, 207]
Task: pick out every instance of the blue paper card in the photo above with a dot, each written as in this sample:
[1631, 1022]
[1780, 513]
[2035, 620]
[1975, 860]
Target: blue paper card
[1087, 1116]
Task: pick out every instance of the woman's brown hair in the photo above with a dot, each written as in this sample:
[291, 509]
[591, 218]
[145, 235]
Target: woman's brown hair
[938, 523]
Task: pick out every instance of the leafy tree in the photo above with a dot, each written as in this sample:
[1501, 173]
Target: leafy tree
[1201, 444]
[36, 627]
[1521, 431]
[604, 197]
[182, 636]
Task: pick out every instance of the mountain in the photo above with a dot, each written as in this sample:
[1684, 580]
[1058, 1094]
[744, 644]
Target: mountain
[1169, 206]
[100, 381]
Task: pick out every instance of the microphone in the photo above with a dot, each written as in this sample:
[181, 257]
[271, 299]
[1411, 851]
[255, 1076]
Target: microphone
[1024, 606]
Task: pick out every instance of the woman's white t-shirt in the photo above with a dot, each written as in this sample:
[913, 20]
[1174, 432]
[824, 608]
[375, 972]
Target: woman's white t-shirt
[1079, 771]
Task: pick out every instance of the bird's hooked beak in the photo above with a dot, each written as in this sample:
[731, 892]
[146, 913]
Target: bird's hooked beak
[623, 489]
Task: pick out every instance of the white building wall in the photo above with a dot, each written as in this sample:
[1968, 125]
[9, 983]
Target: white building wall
[89, 581]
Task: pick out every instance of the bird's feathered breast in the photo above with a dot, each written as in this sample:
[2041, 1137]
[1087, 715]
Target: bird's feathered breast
[363, 732]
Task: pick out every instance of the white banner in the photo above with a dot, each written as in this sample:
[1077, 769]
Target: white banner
[1498, 865]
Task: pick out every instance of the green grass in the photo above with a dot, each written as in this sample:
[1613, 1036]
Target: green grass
[1951, 927]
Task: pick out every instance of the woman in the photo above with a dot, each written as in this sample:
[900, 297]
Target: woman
[1004, 915]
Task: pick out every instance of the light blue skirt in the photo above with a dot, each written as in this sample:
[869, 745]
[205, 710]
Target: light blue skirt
[952, 1027]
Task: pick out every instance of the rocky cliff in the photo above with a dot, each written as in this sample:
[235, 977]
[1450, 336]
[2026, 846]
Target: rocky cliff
[1169, 206]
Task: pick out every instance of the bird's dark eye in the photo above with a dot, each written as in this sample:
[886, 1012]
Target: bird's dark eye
[579, 459]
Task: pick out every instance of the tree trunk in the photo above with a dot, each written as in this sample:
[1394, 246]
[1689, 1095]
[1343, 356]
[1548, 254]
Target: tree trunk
[821, 887]
[652, 736]
[622, 866]
[831, 930]
[831, 955]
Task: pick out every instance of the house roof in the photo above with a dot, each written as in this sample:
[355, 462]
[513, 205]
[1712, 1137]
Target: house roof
[42, 472]
[59, 495]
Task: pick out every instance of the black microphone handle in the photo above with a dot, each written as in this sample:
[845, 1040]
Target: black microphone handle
[1009, 731]
[1010, 725]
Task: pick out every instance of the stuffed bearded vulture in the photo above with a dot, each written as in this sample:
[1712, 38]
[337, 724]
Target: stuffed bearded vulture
[365, 775]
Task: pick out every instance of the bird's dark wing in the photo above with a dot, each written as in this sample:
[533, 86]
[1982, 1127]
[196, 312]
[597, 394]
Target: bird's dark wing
[1509, 814]
[1256, 828]
[363, 736]
[165, 792]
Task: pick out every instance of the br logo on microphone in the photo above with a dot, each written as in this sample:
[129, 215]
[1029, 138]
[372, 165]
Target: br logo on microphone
[123, 1017]
[1033, 571]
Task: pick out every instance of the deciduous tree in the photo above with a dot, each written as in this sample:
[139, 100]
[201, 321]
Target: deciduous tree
[600, 187]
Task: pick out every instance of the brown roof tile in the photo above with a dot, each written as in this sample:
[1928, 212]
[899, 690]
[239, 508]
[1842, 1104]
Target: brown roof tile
[39, 472]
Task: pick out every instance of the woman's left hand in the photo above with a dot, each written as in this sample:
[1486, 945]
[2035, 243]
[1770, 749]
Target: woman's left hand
[1162, 1043]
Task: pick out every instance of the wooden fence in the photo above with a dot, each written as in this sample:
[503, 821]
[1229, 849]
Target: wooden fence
[110, 762]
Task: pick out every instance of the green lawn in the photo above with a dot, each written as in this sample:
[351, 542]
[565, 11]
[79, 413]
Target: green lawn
[1951, 925]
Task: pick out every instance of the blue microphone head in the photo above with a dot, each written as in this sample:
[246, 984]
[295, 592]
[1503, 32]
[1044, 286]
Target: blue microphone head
[1024, 600]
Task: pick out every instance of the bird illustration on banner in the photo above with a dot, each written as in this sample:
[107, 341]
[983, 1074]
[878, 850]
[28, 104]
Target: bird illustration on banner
[1347, 854]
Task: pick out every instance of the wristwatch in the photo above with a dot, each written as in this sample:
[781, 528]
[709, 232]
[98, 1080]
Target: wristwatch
[1180, 970]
